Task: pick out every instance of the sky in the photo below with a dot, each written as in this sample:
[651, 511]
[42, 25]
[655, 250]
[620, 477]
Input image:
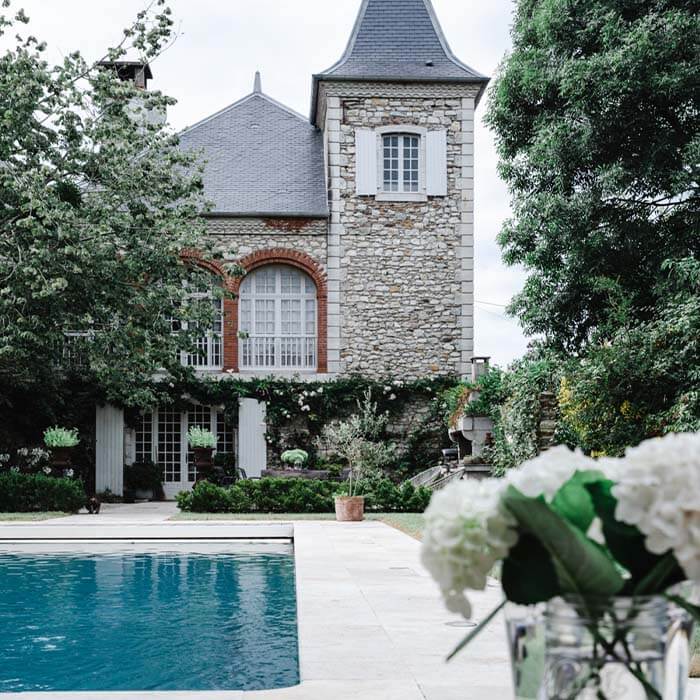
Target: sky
[222, 43]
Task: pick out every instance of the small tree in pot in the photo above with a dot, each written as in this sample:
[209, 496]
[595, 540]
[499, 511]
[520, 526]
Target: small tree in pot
[202, 442]
[60, 442]
[358, 441]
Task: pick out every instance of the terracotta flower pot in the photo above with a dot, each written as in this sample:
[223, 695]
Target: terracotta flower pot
[350, 508]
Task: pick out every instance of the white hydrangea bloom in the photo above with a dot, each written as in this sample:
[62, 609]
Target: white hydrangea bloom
[466, 532]
[545, 474]
[658, 490]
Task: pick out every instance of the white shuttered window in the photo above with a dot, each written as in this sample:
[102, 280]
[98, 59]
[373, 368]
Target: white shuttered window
[401, 163]
[278, 320]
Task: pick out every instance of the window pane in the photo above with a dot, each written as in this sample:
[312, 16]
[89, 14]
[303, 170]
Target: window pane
[169, 444]
[280, 325]
[144, 438]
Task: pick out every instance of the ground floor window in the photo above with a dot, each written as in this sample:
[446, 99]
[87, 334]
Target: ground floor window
[161, 437]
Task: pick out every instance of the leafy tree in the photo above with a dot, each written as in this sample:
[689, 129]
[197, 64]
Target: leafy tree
[596, 114]
[97, 203]
[645, 381]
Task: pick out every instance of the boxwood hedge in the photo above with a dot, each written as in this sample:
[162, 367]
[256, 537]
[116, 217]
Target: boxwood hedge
[30, 493]
[280, 495]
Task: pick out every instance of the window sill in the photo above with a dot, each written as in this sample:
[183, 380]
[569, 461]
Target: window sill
[401, 197]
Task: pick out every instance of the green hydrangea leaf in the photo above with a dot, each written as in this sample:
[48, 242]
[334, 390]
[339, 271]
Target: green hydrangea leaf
[582, 567]
[573, 501]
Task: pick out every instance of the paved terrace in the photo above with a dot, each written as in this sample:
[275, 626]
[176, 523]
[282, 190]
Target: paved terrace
[371, 623]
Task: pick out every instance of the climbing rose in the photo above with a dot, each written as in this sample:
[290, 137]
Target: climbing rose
[466, 532]
[659, 491]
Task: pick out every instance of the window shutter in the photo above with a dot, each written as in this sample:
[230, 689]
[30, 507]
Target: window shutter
[436, 163]
[366, 162]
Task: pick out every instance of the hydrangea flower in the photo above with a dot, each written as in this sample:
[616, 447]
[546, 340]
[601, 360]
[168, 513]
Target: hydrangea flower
[658, 491]
[545, 474]
[466, 532]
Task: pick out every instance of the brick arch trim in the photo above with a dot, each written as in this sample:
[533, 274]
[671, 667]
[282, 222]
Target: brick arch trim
[191, 256]
[294, 258]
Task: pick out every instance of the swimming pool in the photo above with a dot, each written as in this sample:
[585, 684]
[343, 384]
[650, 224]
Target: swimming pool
[218, 618]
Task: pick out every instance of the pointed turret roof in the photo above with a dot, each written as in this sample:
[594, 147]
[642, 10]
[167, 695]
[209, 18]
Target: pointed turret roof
[261, 158]
[402, 41]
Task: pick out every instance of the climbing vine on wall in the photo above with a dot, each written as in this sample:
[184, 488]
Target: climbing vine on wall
[297, 410]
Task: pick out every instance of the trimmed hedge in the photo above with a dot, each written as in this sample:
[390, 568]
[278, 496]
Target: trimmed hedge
[31, 493]
[280, 495]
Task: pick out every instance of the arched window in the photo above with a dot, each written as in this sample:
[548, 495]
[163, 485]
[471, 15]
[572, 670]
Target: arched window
[277, 319]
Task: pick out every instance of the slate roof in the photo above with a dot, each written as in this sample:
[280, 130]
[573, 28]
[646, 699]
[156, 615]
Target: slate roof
[397, 40]
[261, 158]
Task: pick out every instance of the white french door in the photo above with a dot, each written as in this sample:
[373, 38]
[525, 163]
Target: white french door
[161, 437]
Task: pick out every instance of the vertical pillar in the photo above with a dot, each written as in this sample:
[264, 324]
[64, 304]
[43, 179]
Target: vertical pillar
[335, 231]
[109, 449]
[465, 232]
[252, 445]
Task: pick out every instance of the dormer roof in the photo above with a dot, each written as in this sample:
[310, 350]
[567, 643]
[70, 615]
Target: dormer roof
[398, 41]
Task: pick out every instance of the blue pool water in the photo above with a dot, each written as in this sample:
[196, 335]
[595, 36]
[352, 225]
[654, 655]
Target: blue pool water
[147, 621]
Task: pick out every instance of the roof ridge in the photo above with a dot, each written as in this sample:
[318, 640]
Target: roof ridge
[241, 101]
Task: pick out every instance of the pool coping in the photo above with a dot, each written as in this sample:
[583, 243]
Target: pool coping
[371, 623]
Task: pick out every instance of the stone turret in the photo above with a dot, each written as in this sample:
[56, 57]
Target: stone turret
[397, 114]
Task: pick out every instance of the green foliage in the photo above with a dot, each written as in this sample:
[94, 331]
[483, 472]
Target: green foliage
[457, 401]
[201, 437]
[359, 441]
[97, 206]
[142, 476]
[296, 457]
[554, 554]
[597, 127]
[30, 493]
[645, 381]
[61, 437]
[280, 495]
[581, 566]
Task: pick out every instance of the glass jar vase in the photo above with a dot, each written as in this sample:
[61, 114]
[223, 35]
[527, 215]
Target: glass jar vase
[615, 649]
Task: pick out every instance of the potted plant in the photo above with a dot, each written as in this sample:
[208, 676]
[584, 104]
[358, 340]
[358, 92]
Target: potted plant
[202, 442]
[142, 480]
[296, 458]
[604, 555]
[61, 442]
[358, 441]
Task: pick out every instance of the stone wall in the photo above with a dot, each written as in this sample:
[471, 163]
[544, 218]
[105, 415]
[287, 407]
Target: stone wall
[236, 237]
[404, 269]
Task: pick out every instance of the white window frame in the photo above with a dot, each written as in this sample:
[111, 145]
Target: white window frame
[401, 130]
[214, 339]
[187, 471]
[277, 340]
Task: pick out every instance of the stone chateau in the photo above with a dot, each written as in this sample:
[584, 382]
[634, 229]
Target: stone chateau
[355, 227]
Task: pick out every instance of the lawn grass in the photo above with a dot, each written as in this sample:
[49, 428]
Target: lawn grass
[28, 517]
[410, 523]
[695, 652]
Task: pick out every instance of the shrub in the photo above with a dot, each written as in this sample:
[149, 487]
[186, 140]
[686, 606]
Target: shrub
[29, 493]
[279, 495]
[201, 437]
[61, 437]
[142, 476]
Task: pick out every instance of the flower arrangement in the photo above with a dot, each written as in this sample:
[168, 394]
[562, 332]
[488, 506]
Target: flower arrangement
[201, 437]
[564, 525]
[61, 437]
[296, 457]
